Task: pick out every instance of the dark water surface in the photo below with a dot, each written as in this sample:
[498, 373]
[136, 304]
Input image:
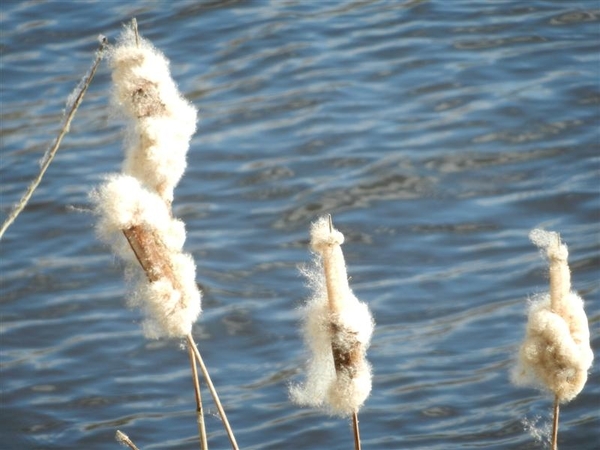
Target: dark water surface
[437, 133]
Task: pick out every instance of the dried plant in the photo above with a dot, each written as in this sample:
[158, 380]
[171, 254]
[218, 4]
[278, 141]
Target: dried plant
[134, 206]
[556, 353]
[337, 329]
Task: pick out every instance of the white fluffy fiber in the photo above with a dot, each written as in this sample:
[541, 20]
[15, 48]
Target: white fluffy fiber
[121, 203]
[345, 392]
[556, 353]
[163, 122]
[170, 311]
[138, 201]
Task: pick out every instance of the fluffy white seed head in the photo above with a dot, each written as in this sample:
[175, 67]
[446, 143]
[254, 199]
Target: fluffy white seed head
[135, 207]
[347, 393]
[170, 311]
[556, 352]
[171, 303]
[549, 241]
[122, 202]
[344, 330]
[162, 121]
[320, 370]
[323, 236]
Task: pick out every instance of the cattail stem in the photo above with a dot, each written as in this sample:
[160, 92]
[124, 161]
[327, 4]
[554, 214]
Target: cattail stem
[122, 438]
[134, 27]
[199, 408]
[356, 430]
[555, 424]
[213, 391]
[50, 155]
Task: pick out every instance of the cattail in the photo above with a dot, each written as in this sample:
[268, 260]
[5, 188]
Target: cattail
[135, 207]
[556, 353]
[337, 329]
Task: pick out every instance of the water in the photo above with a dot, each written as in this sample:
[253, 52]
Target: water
[438, 134]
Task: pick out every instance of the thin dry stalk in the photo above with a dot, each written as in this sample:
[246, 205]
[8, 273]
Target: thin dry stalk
[213, 391]
[50, 155]
[356, 431]
[555, 425]
[134, 26]
[122, 438]
[199, 408]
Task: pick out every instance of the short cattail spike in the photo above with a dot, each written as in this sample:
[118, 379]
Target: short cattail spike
[556, 353]
[337, 328]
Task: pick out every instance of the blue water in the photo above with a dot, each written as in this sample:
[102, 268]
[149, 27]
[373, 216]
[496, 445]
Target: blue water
[437, 134]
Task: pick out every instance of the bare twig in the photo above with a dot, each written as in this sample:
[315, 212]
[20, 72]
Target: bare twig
[122, 438]
[213, 392]
[199, 408]
[134, 26]
[357, 445]
[50, 155]
[555, 425]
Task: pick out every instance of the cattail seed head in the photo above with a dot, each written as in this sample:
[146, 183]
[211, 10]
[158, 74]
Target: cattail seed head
[134, 207]
[556, 352]
[337, 329]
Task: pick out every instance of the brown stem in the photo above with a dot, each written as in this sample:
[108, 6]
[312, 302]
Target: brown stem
[213, 391]
[346, 349]
[357, 445]
[199, 409]
[555, 425]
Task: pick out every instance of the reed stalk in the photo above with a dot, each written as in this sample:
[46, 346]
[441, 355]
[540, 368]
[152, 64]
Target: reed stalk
[555, 423]
[213, 391]
[199, 408]
[122, 438]
[356, 431]
[49, 156]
